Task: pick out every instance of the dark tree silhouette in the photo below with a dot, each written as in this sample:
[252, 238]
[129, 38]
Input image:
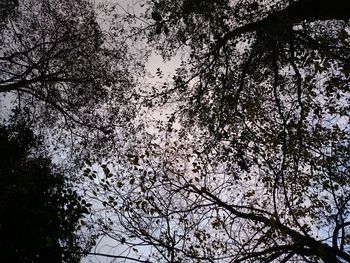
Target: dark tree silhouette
[40, 213]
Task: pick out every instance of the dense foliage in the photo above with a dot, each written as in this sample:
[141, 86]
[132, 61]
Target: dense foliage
[40, 213]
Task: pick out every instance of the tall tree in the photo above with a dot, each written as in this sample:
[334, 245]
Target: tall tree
[65, 71]
[257, 167]
[40, 212]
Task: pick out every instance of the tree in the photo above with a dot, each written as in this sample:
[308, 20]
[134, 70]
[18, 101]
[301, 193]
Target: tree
[258, 169]
[66, 72]
[40, 212]
[7, 9]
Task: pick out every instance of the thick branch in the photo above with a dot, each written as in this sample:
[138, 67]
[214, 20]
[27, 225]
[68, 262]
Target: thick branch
[327, 253]
[304, 10]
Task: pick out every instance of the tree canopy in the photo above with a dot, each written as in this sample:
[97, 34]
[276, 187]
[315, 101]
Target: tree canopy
[40, 212]
[249, 161]
[252, 164]
[67, 73]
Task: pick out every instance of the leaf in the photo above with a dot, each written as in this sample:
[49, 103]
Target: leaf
[319, 68]
[136, 160]
[253, 6]
[249, 193]
[106, 171]
[159, 27]
[346, 71]
[166, 30]
[156, 16]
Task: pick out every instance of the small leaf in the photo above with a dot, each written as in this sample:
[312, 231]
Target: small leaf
[159, 27]
[166, 30]
[253, 6]
[156, 16]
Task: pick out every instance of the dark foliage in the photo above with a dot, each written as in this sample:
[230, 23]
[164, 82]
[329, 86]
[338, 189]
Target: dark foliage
[39, 211]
